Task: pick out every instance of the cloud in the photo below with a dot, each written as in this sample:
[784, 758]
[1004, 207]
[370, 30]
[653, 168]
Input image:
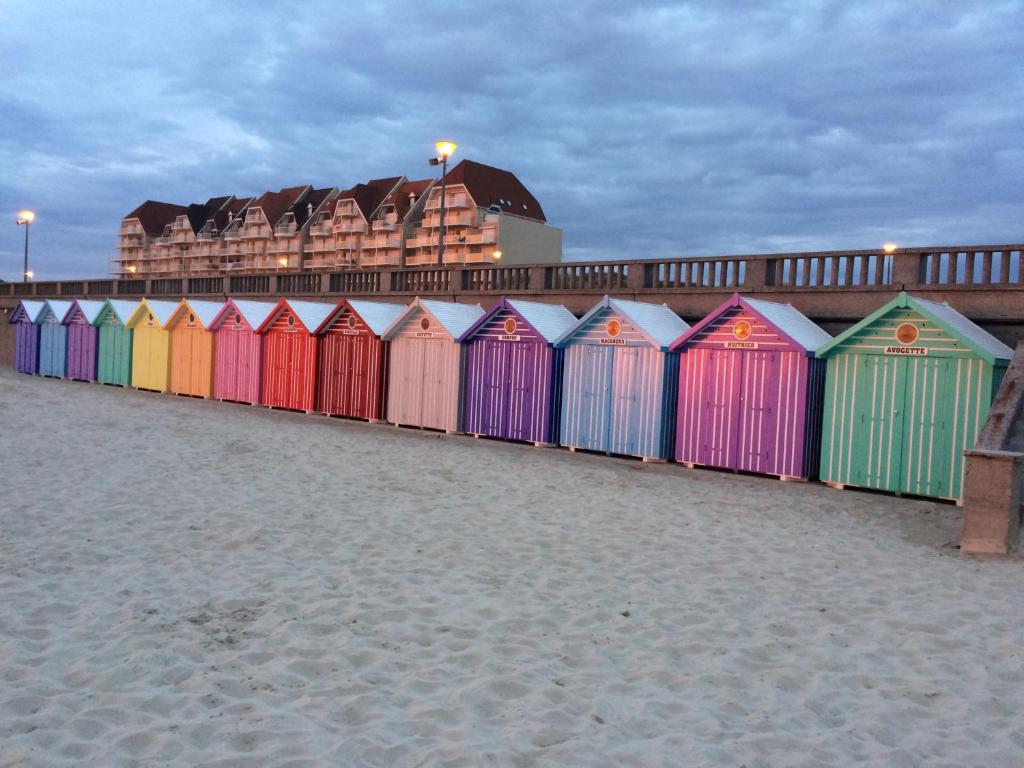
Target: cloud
[651, 129]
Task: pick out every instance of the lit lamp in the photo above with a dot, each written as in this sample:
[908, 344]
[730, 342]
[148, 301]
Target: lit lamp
[283, 261]
[26, 218]
[497, 255]
[889, 247]
[445, 149]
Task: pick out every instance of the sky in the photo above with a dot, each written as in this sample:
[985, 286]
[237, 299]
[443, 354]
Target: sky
[645, 130]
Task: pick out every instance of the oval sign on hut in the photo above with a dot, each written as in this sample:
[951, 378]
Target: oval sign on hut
[612, 330]
[741, 330]
[352, 322]
[907, 333]
[510, 325]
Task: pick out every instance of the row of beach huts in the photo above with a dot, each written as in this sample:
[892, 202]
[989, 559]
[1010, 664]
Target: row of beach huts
[755, 386]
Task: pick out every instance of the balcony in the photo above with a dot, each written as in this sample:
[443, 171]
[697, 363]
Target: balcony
[385, 241]
[453, 201]
[356, 226]
[285, 230]
[386, 224]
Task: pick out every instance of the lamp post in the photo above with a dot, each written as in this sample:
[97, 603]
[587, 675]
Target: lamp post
[445, 149]
[26, 218]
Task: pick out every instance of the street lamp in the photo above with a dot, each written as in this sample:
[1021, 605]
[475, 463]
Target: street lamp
[497, 255]
[26, 218]
[445, 149]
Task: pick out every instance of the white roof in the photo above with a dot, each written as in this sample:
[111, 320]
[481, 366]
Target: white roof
[206, 311]
[254, 312]
[656, 320]
[966, 328]
[549, 320]
[456, 318]
[311, 313]
[58, 307]
[162, 310]
[91, 309]
[32, 308]
[377, 314]
[792, 322]
[122, 309]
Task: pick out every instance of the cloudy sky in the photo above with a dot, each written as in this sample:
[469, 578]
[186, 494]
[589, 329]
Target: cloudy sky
[644, 129]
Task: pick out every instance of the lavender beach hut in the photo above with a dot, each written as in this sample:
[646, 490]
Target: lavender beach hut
[26, 335]
[513, 380]
[620, 383]
[53, 338]
[751, 391]
[83, 339]
[425, 364]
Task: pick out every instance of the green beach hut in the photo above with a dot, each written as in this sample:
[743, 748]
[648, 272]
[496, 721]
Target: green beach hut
[114, 357]
[907, 389]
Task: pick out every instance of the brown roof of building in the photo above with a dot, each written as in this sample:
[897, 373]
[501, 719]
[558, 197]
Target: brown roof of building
[275, 204]
[154, 215]
[200, 213]
[400, 197]
[370, 195]
[302, 210]
[492, 186]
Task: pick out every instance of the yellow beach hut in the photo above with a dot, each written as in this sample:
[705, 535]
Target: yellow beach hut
[151, 344]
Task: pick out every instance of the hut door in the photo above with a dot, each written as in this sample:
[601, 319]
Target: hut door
[718, 414]
[520, 361]
[594, 409]
[757, 423]
[930, 409]
[497, 388]
[625, 415]
[434, 394]
[876, 450]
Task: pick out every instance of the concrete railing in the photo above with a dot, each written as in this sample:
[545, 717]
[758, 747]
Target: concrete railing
[994, 475]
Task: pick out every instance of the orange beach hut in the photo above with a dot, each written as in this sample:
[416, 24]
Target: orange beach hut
[192, 347]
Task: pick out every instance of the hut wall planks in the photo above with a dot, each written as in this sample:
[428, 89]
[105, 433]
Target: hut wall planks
[83, 345]
[425, 376]
[53, 344]
[114, 356]
[353, 368]
[191, 348]
[237, 361]
[289, 364]
[150, 355]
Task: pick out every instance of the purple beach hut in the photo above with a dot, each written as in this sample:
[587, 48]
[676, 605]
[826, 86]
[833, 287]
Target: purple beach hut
[26, 335]
[751, 391]
[83, 338]
[513, 378]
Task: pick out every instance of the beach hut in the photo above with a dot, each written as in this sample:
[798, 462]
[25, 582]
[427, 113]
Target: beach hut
[26, 335]
[425, 364]
[191, 347]
[114, 356]
[620, 384]
[353, 359]
[513, 379]
[53, 338]
[83, 339]
[751, 390]
[906, 391]
[151, 344]
[289, 354]
[238, 350]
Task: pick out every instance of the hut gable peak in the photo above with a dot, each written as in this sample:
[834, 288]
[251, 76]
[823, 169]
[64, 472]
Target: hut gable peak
[27, 310]
[310, 314]
[548, 321]
[454, 318]
[254, 313]
[205, 311]
[788, 323]
[56, 308]
[658, 325]
[161, 311]
[375, 315]
[90, 309]
[119, 308]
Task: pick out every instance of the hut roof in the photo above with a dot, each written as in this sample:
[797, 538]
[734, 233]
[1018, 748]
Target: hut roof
[656, 322]
[973, 335]
[122, 309]
[205, 311]
[58, 307]
[310, 313]
[90, 308]
[377, 315]
[254, 312]
[162, 311]
[29, 309]
[453, 317]
[550, 321]
[786, 319]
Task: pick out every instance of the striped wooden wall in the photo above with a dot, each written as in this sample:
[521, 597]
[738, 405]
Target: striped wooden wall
[150, 356]
[191, 348]
[114, 356]
[352, 369]
[289, 364]
[83, 343]
[26, 347]
[237, 361]
[425, 374]
[510, 385]
[899, 423]
[53, 345]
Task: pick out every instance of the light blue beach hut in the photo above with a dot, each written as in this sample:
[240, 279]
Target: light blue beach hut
[53, 338]
[620, 382]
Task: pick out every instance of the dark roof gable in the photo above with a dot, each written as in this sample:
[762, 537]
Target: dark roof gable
[491, 186]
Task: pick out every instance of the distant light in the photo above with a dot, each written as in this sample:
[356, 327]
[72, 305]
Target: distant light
[497, 255]
[131, 269]
[30, 274]
[283, 261]
[889, 247]
[26, 217]
[446, 148]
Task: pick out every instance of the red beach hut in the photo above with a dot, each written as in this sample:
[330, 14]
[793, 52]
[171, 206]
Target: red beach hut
[238, 350]
[353, 359]
[83, 339]
[513, 371]
[26, 335]
[289, 354]
[751, 391]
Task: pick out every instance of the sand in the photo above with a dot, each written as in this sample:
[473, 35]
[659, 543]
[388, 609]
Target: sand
[187, 582]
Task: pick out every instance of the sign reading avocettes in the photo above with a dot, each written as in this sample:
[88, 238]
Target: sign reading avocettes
[510, 328]
[424, 324]
[907, 334]
[613, 328]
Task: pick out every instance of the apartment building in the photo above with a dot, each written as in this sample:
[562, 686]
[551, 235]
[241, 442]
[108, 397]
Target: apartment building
[390, 222]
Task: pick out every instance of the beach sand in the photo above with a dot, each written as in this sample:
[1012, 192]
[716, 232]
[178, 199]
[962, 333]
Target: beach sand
[187, 582]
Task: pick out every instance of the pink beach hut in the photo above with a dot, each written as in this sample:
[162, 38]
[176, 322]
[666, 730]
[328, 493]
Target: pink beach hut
[751, 391]
[238, 350]
[83, 339]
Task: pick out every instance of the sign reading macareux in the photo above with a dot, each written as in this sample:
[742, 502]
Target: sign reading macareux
[612, 330]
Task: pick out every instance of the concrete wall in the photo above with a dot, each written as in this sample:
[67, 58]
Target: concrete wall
[525, 241]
